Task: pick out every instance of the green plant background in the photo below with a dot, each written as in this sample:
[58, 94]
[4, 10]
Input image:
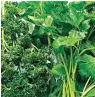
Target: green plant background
[48, 49]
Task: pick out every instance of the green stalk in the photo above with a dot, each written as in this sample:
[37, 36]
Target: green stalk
[41, 7]
[49, 41]
[86, 90]
[71, 67]
[34, 46]
[86, 84]
[64, 89]
[76, 49]
[4, 44]
[67, 74]
[92, 48]
[67, 91]
[74, 71]
[61, 56]
[3, 29]
[65, 57]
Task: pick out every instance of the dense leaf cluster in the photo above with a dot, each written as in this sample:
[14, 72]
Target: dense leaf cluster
[48, 49]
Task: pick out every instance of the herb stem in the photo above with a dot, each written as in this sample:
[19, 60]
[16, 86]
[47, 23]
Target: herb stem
[86, 50]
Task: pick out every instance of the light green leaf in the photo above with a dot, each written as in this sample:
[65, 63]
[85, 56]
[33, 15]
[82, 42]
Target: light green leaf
[87, 66]
[58, 70]
[31, 27]
[48, 21]
[36, 20]
[20, 11]
[85, 25]
[71, 40]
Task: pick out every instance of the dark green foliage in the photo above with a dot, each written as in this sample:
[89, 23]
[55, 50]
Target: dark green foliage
[32, 76]
[25, 41]
[48, 48]
[86, 66]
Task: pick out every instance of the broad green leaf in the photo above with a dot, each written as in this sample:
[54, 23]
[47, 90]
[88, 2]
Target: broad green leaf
[48, 21]
[73, 17]
[71, 40]
[87, 66]
[56, 44]
[20, 11]
[58, 70]
[31, 27]
[36, 20]
[85, 25]
[78, 5]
